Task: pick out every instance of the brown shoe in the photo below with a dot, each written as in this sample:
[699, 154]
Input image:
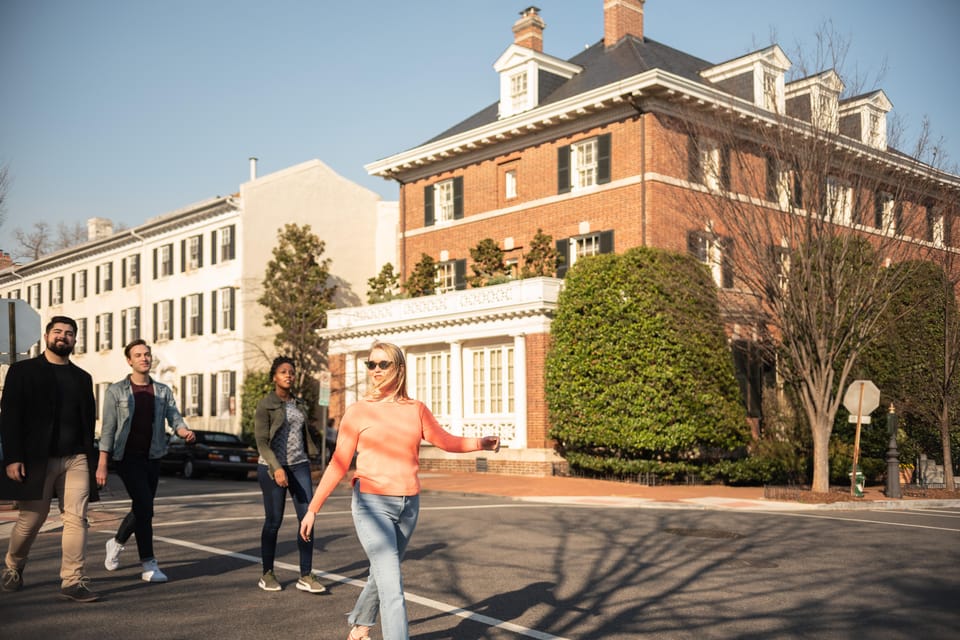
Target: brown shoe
[12, 580]
[79, 592]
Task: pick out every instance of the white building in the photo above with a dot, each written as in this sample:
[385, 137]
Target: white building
[188, 282]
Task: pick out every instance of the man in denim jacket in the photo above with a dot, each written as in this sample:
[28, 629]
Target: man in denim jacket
[134, 413]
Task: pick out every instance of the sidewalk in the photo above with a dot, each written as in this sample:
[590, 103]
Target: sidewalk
[584, 491]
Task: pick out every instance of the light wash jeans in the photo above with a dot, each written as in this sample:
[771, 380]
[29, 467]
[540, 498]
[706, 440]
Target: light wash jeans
[384, 526]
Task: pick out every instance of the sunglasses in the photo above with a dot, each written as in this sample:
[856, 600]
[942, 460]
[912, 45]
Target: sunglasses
[383, 364]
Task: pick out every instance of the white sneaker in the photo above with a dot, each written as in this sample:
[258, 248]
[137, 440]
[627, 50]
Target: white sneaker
[151, 572]
[112, 560]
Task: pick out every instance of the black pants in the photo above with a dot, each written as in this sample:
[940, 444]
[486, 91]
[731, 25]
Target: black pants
[140, 477]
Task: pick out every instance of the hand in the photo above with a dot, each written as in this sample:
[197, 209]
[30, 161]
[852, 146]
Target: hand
[306, 525]
[101, 475]
[191, 437]
[490, 443]
[16, 471]
[280, 477]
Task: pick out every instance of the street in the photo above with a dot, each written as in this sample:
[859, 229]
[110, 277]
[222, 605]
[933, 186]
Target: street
[489, 567]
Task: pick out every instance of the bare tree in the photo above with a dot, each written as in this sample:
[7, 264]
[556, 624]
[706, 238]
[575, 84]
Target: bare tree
[34, 243]
[69, 235]
[4, 187]
[808, 211]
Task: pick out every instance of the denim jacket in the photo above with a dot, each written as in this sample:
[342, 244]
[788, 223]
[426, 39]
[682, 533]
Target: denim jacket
[118, 408]
[270, 415]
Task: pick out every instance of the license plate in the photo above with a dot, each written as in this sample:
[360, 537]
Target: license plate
[234, 458]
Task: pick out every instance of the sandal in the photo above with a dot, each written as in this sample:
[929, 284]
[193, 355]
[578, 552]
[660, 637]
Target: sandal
[365, 635]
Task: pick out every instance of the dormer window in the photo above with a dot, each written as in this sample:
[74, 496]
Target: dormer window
[756, 77]
[815, 100]
[769, 91]
[518, 92]
[864, 118]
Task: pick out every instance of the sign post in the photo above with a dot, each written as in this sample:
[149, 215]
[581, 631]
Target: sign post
[19, 329]
[861, 399]
[323, 399]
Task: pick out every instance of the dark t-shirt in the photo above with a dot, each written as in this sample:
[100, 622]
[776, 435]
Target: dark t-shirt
[141, 426]
[67, 437]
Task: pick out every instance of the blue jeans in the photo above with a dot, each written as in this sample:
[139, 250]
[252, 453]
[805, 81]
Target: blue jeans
[384, 526]
[300, 486]
[140, 477]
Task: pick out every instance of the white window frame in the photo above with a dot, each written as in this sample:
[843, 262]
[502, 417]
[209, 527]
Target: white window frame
[81, 344]
[133, 269]
[770, 91]
[583, 246]
[935, 218]
[104, 331]
[490, 380]
[194, 315]
[191, 394]
[165, 260]
[711, 254]
[708, 155]
[56, 291]
[226, 243]
[193, 252]
[33, 296]
[583, 163]
[446, 279]
[510, 183]
[224, 394]
[839, 203]
[519, 92]
[888, 212]
[432, 380]
[165, 320]
[224, 310]
[81, 280]
[106, 277]
[443, 204]
[132, 328]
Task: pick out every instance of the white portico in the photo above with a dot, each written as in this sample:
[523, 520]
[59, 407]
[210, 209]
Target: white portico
[475, 357]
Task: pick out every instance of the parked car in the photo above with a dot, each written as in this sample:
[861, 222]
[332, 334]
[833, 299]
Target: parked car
[214, 451]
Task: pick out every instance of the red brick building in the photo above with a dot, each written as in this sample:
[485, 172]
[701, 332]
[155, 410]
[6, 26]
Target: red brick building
[592, 150]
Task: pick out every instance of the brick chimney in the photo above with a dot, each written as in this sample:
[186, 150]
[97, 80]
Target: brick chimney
[528, 30]
[621, 18]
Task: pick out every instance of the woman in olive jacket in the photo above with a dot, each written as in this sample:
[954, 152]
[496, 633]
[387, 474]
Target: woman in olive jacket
[286, 444]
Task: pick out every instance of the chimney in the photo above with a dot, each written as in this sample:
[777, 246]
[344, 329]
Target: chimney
[253, 168]
[528, 30]
[98, 228]
[622, 18]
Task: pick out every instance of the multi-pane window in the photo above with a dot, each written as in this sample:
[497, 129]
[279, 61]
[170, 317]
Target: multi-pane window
[446, 276]
[130, 324]
[193, 315]
[781, 266]
[715, 252]
[131, 270]
[935, 225]
[569, 250]
[163, 261]
[518, 92]
[33, 296]
[163, 320]
[769, 91]
[81, 345]
[782, 184]
[510, 183]
[443, 200]
[223, 385]
[709, 163]
[192, 249]
[226, 244]
[491, 383]
[104, 277]
[56, 291]
[839, 204]
[223, 310]
[583, 163]
[886, 216]
[192, 394]
[79, 284]
[104, 332]
[433, 380]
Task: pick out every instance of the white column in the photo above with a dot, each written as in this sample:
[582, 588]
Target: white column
[456, 387]
[350, 378]
[520, 390]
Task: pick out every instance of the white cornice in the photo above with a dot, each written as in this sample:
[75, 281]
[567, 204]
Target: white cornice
[515, 55]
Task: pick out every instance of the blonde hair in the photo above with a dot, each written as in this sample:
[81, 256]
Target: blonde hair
[396, 378]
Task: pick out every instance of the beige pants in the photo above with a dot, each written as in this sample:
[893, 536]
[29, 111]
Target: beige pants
[69, 479]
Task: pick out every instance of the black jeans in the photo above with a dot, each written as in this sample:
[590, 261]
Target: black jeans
[140, 477]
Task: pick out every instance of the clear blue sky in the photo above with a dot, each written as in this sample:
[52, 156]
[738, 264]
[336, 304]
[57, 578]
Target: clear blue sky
[128, 109]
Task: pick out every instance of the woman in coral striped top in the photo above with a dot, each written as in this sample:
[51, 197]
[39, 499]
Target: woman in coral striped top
[385, 430]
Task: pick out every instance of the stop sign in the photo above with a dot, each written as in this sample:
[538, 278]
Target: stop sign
[861, 398]
[19, 329]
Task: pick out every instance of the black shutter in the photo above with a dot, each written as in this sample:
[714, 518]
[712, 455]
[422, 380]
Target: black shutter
[73, 286]
[183, 256]
[725, 155]
[199, 314]
[213, 394]
[458, 198]
[123, 272]
[232, 247]
[694, 171]
[123, 324]
[460, 274]
[199, 395]
[154, 264]
[183, 393]
[233, 308]
[96, 286]
[726, 245]
[563, 169]
[603, 159]
[50, 283]
[108, 285]
[183, 317]
[213, 247]
[155, 321]
[696, 246]
[213, 311]
[563, 257]
[606, 241]
[428, 218]
[199, 251]
[772, 179]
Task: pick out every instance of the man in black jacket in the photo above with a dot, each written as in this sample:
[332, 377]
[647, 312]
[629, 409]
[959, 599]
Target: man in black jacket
[47, 416]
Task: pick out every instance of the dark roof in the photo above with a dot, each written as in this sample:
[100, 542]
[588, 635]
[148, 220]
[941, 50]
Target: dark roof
[602, 66]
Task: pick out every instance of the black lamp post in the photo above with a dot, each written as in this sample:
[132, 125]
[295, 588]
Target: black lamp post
[893, 456]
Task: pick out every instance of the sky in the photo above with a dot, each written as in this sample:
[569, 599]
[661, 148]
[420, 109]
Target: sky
[129, 109]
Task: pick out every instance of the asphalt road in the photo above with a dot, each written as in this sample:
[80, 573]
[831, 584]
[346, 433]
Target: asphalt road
[489, 567]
